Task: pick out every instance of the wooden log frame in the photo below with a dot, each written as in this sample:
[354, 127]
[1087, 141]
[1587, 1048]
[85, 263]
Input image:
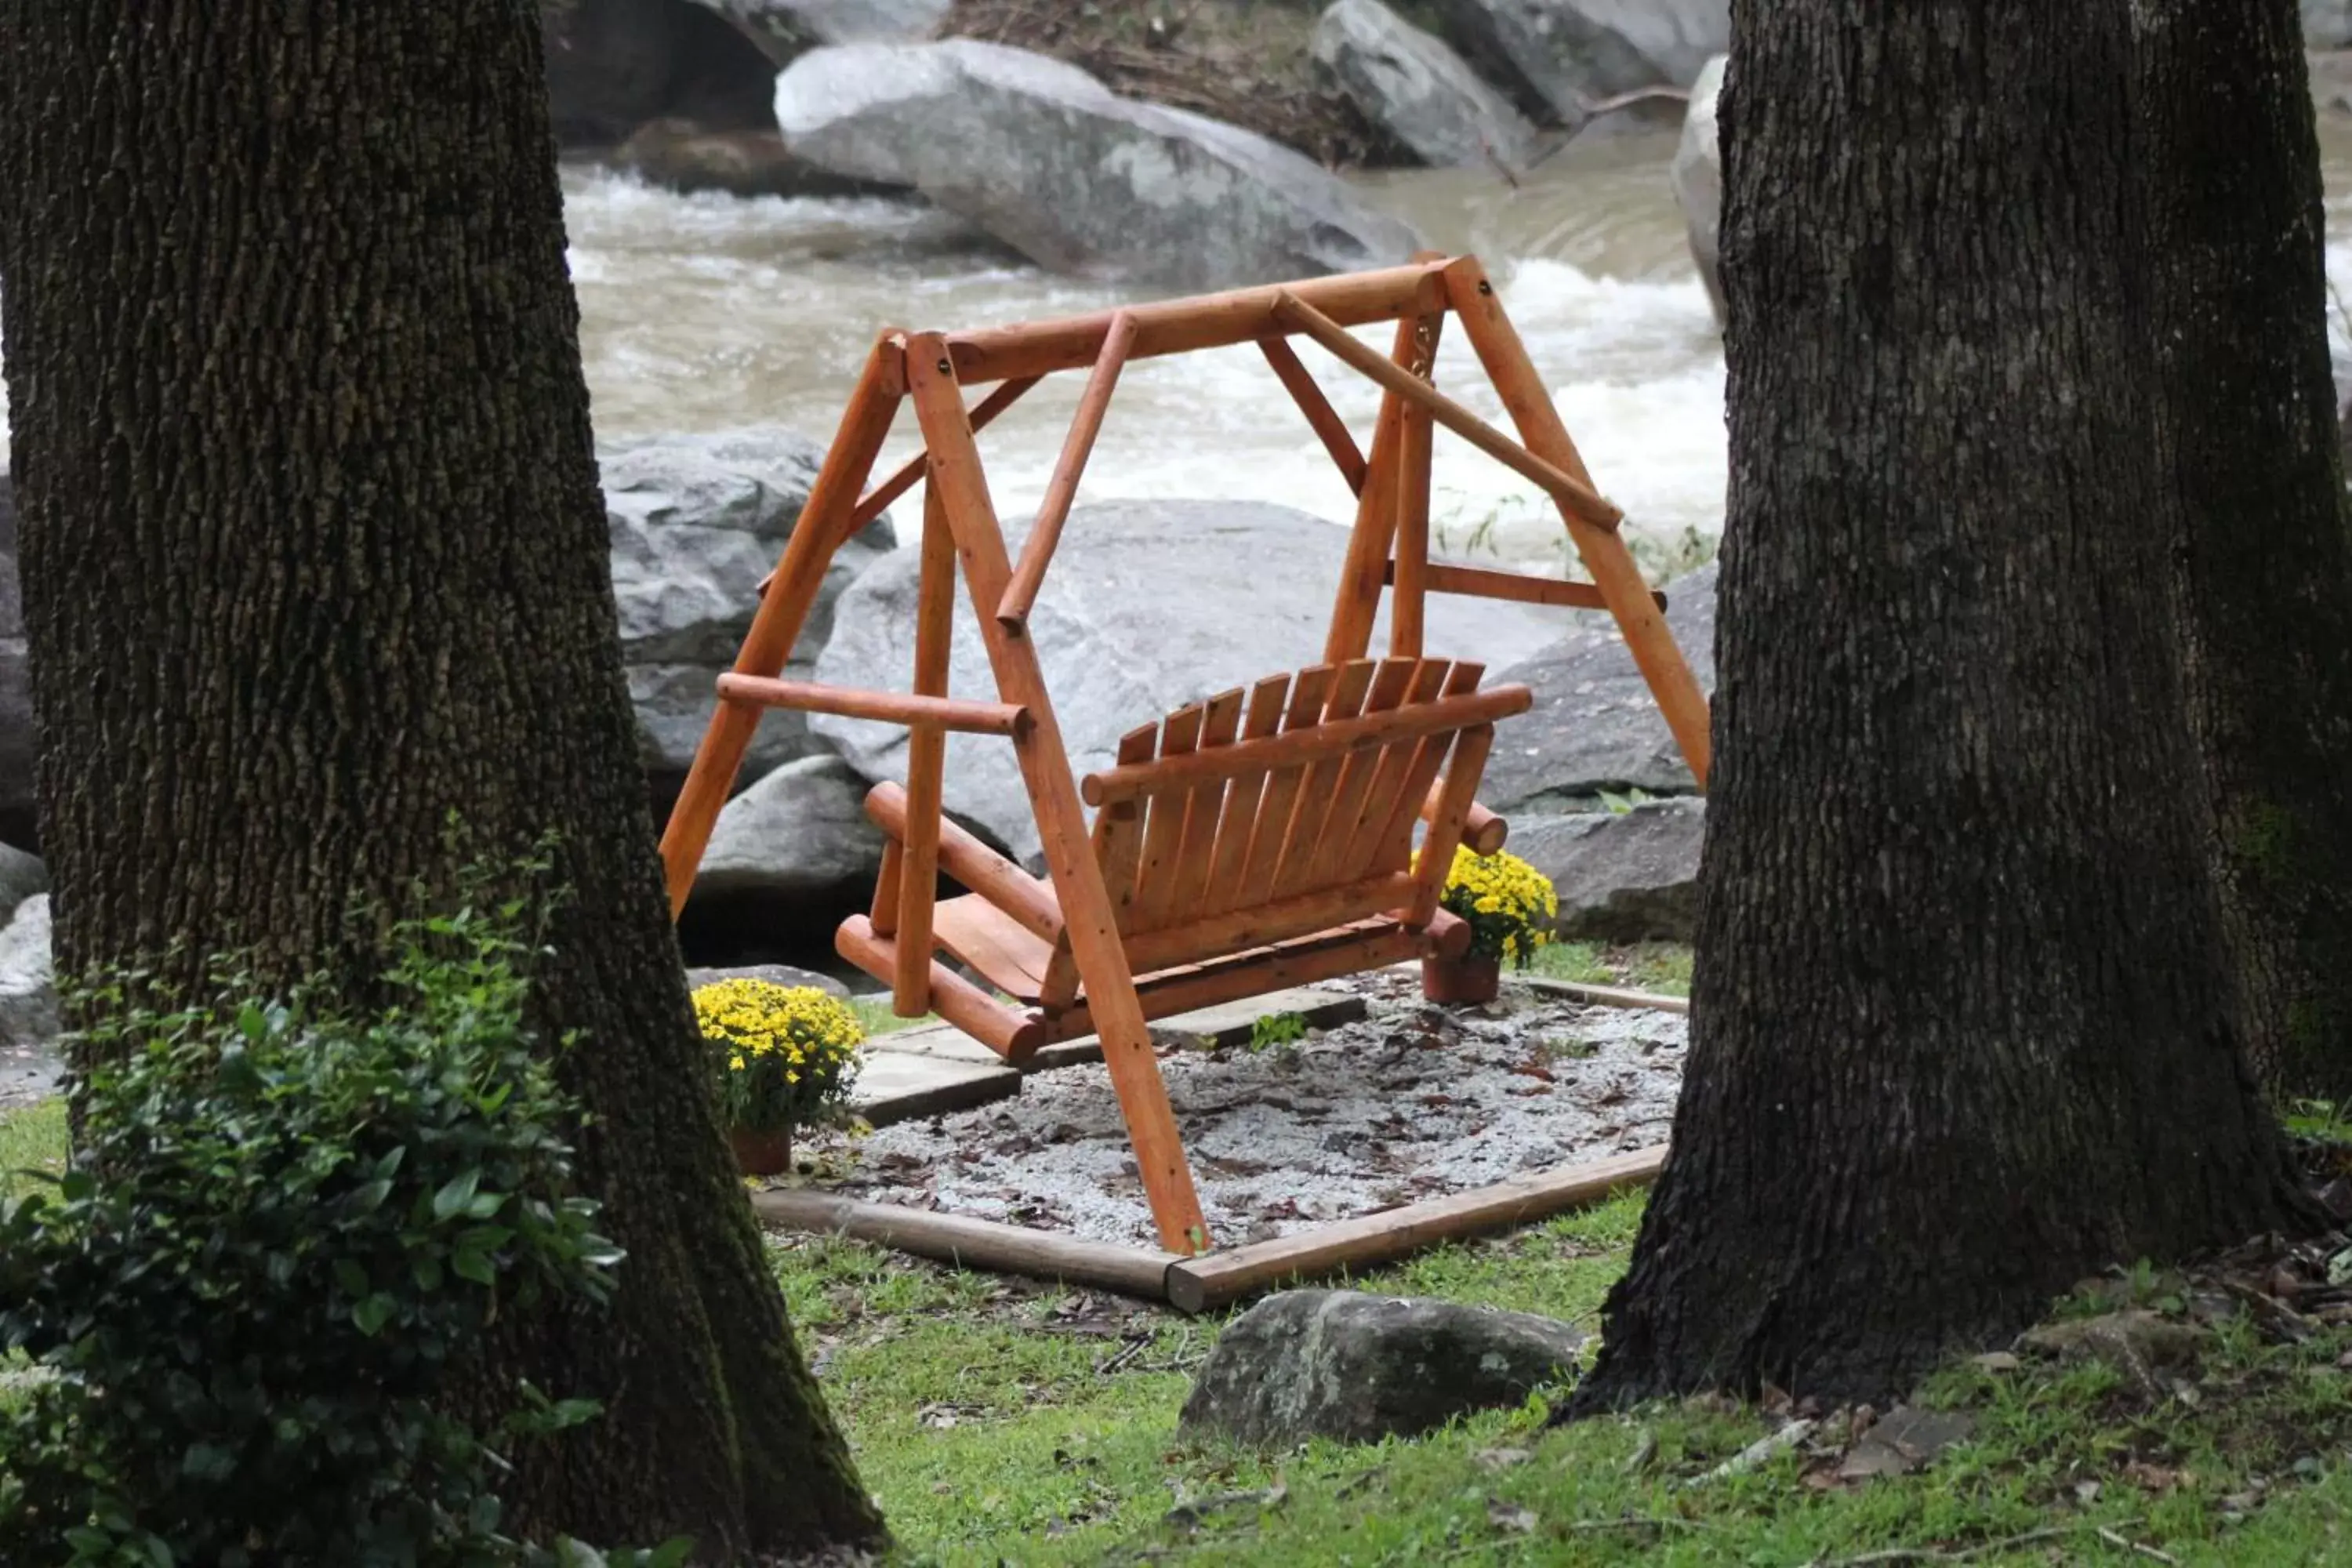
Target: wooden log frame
[1210, 1281]
[1388, 550]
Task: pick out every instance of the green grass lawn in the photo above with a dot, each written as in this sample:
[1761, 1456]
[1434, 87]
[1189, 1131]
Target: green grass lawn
[1006, 1421]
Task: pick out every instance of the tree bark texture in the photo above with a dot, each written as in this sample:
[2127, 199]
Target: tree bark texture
[2247, 422]
[314, 556]
[1961, 1027]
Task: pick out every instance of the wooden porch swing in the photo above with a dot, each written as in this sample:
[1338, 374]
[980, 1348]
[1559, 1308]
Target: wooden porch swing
[1243, 844]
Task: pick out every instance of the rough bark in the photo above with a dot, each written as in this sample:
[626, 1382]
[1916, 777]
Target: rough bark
[1961, 1029]
[314, 556]
[2247, 422]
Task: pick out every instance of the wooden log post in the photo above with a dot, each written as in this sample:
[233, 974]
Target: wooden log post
[1062, 490]
[926, 752]
[1407, 614]
[1505, 357]
[1365, 571]
[1085, 899]
[776, 624]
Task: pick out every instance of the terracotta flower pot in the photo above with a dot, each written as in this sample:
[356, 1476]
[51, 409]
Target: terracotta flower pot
[762, 1154]
[1461, 981]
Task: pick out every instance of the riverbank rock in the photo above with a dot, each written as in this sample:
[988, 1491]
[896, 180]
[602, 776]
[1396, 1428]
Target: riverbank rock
[1150, 606]
[787, 29]
[1594, 725]
[696, 522]
[28, 1000]
[1355, 1367]
[1422, 93]
[1050, 161]
[1620, 875]
[1698, 181]
[613, 65]
[680, 155]
[1565, 56]
[801, 833]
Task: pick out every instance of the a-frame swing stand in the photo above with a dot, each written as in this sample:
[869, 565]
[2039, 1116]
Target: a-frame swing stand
[1246, 842]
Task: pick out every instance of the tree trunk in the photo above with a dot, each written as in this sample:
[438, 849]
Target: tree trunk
[313, 557]
[1961, 1029]
[2246, 410]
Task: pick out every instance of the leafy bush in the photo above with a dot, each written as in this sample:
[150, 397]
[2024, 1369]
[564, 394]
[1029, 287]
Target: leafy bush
[285, 1223]
[784, 1054]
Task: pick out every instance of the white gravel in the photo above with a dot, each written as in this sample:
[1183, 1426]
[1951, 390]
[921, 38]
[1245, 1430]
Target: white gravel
[1413, 1102]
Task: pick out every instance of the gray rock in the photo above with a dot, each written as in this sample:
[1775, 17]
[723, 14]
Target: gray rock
[787, 29]
[28, 1000]
[680, 155]
[1621, 878]
[612, 65]
[1053, 163]
[775, 974]
[1566, 55]
[1594, 725]
[1356, 1368]
[2331, 79]
[1698, 181]
[22, 875]
[1422, 93]
[801, 832]
[1150, 606]
[2327, 24]
[697, 522]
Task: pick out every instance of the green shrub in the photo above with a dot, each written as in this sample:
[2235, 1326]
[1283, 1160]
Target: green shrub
[286, 1222]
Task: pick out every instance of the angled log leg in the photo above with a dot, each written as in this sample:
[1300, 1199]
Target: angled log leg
[776, 625]
[1366, 571]
[1044, 763]
[1412, 527]
[1620, 581]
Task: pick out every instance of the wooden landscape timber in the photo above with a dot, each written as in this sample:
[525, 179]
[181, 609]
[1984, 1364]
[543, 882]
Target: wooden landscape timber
[1209, 1282]
[1244, 843]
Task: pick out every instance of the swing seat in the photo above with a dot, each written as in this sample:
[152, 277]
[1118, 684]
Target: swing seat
[1249, 843]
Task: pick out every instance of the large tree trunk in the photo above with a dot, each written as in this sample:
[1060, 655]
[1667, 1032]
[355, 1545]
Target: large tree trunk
[314, 556]
[1961, 1027]
[2246, 410]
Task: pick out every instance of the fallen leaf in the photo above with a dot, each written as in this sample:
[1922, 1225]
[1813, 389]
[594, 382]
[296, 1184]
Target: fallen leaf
[1501, 1458]
[1997, 1361]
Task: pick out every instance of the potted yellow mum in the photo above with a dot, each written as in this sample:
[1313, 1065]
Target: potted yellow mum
[784, 1056]
[1510, 907]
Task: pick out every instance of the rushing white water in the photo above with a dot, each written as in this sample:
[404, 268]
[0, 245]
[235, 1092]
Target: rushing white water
[709, 312]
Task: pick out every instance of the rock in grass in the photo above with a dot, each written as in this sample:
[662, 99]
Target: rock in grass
[1356, 1367]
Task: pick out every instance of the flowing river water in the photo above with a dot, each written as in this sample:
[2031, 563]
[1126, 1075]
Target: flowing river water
[704, 312]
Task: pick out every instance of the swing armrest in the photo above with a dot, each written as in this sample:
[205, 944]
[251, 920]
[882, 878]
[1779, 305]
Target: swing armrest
[1482, 832]
[1020, 895]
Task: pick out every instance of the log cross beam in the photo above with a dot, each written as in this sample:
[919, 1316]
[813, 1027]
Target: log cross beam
[1573, 495]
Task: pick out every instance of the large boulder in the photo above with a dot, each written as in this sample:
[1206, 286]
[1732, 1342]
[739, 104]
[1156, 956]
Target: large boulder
[612, 65]
[801, 833]
[787, 30]
[1594, 725]
[1628, 875]
[697, 522]
[681, 156]
[2327, 24]
[1562, 57]
[1409, 84]
[1053, 163]
[1150, 606]
[28, 1000]
[1355, 1367]
[1698, 181]
[19, 744]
